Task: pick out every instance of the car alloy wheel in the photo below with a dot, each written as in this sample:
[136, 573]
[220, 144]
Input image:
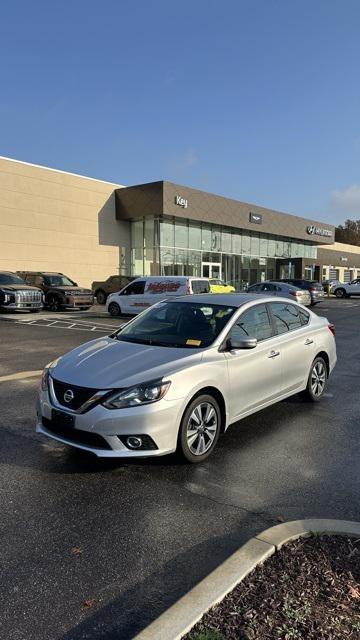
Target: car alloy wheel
[114, 309]
[54, 303]
[317, 380]
[340, 293]
[200, 428]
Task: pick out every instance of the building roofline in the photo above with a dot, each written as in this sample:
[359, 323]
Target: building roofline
[68, 173]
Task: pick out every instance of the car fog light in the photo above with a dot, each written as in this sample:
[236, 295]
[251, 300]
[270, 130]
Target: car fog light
[133, 442]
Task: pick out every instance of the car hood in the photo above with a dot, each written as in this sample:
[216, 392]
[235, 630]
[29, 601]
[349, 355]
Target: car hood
[18, 287]
[108, 363]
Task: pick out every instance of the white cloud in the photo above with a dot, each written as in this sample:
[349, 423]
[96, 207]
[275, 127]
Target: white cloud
[347, 200]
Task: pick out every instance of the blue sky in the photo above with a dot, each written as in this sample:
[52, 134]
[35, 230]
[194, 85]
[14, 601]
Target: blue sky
[257, 100]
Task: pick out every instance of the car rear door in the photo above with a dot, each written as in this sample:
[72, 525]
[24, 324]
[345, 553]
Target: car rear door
[297, 343]
[254, 374]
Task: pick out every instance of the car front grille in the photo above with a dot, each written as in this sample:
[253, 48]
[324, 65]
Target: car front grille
[76, 436]
[80, 394]
[28, 296]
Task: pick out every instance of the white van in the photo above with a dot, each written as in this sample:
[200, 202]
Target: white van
[143, 292]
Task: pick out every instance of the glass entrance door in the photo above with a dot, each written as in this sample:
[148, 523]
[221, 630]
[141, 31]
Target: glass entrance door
[211, 270]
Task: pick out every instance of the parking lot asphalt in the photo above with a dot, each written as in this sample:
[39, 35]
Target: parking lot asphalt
[93, 549]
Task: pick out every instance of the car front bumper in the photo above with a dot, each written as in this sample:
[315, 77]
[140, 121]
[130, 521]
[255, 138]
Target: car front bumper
[160, 421]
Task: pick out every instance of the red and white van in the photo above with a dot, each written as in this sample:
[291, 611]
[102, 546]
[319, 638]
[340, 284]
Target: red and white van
[144, 292]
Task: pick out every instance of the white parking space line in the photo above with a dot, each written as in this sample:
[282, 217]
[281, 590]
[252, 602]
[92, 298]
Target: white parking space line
[69, 324]
[21, 376]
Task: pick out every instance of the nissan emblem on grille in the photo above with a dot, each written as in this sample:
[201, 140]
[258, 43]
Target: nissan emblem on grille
[68, 395]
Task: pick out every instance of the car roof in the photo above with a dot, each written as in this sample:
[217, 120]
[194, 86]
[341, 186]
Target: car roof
[44, 273]
[225, 299]
[9, 273]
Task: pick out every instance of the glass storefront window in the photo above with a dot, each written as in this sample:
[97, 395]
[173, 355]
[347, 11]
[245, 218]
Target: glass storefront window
[167, 233]
[236, 243]
[271, 248]
[246, 243]
[206, 238]
[181, 234]
[226, 241]
[167, 261]
[279, 248]
[263, 247]
[255, 244]
[216, 239]
[194, 236]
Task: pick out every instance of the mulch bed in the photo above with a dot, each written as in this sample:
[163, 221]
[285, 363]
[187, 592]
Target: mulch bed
[309, 590]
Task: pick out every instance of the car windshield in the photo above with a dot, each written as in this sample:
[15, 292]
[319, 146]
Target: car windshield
[216, 281]
[59, 281]
[177, 324]
[9, 278]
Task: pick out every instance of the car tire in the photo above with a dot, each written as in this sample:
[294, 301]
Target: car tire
[340, 293]
[114, 309]
[54, 303]
[205, 410]
[101, 296]
[317, 380]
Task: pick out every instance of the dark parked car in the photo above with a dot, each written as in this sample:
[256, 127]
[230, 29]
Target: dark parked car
[102, 288]
[16, 294]
[283, 289]
[60, 292]
[315, 288]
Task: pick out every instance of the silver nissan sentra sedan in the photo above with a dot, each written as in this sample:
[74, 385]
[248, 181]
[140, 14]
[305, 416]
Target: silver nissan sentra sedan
[176, 376]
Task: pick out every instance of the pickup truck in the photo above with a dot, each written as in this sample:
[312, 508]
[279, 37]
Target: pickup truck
[113, 284]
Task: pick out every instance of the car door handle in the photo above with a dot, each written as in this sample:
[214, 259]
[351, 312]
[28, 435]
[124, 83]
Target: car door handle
[308, 341]
[273, 354]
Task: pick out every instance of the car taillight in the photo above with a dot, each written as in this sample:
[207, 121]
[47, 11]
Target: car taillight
[331, 328]
[296, 293]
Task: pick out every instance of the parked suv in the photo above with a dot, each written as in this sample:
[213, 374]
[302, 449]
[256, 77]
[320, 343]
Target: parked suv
[60, 292]
[347, 290]
[16, 294]
[102, 288]
[315, 288]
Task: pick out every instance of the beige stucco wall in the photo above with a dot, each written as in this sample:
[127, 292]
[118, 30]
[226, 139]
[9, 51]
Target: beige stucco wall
[56, 221]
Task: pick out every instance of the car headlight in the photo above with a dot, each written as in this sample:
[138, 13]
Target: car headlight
[44, 383]
[141, 394]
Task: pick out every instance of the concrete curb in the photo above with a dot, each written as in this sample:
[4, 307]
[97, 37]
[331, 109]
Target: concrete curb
[174, 623]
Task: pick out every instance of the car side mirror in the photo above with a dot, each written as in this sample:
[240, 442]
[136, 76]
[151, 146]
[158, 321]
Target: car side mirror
[241, 343]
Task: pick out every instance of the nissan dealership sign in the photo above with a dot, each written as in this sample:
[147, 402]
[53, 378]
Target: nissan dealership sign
[313, 230]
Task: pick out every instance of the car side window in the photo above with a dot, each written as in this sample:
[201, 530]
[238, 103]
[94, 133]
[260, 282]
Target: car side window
[304, 316]
[254, 288]
[253, 323]
[286, 317]
[134, 288]
[267, 286]
[200, 286]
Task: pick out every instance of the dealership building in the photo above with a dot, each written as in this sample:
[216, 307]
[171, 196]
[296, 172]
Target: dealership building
[90, 229]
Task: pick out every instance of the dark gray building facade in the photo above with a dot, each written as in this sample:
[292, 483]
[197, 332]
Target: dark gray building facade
[178, 230]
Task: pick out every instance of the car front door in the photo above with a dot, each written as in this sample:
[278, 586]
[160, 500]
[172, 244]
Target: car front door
[296, 342]
[353, 288]
[131, 298]
[254, 374]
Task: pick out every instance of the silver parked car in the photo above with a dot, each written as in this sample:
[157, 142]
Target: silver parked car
[181, 372]
[282, 289]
